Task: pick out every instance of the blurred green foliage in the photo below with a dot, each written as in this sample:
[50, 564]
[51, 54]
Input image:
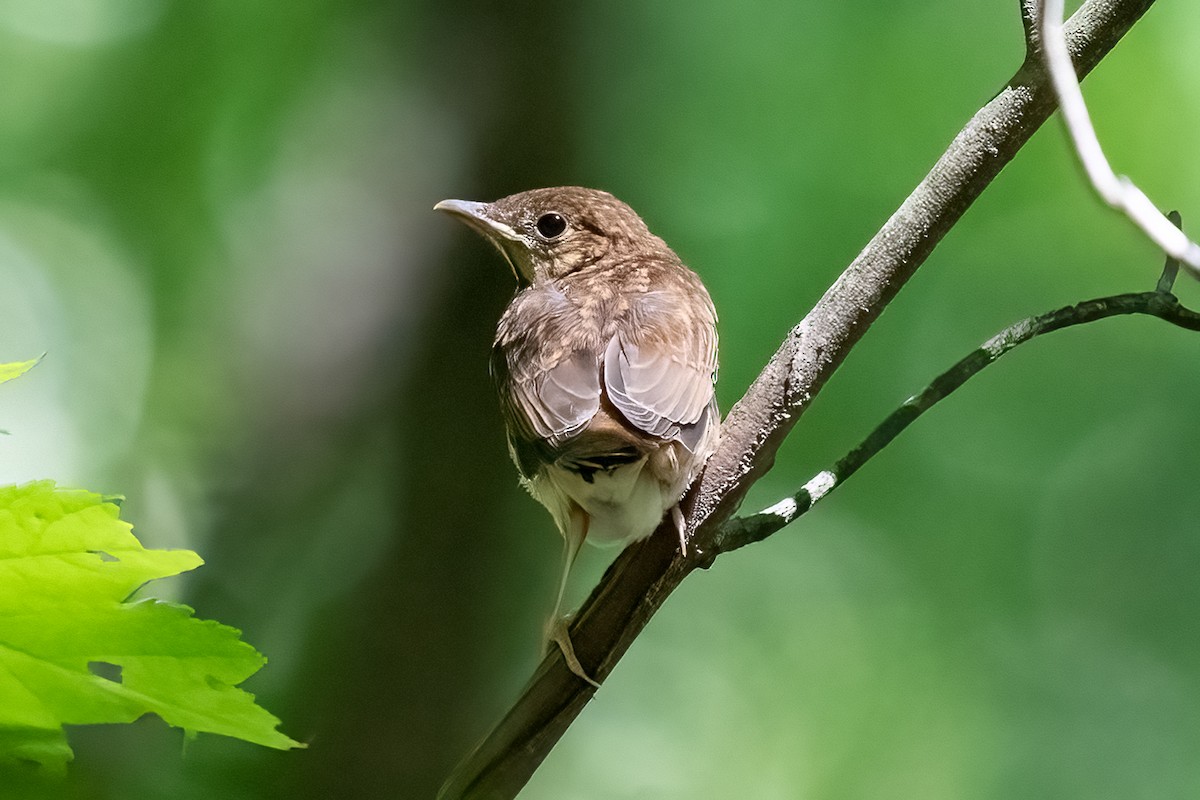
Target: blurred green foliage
[215, 219]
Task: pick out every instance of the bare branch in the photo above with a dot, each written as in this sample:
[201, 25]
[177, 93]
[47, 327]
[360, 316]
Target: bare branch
[645, 574]
[1166, 281]
[759, 422]
[1030, 13]
[1117, 191]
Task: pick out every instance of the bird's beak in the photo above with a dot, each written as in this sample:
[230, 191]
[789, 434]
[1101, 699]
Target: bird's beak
[478, 217]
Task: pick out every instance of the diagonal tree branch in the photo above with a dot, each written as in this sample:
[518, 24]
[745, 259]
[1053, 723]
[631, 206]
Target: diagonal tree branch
[816, 347]
[642, 577]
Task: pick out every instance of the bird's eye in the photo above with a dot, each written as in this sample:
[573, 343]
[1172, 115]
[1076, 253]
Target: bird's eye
[551, 226]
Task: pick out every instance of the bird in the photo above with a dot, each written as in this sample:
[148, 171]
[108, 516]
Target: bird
[605, 363]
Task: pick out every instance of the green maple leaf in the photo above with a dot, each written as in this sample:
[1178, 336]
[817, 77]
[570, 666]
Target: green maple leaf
[74, 650]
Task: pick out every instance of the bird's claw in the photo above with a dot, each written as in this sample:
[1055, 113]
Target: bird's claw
[557, 632]
[680, 528]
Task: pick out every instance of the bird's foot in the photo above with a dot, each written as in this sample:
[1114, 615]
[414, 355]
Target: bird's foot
[557, 632]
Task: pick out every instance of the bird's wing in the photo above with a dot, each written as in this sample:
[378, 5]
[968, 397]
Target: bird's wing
[547, 395]
[659, 369]
[548, 377]
[555, 400]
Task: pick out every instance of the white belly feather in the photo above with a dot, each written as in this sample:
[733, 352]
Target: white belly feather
[623, 504]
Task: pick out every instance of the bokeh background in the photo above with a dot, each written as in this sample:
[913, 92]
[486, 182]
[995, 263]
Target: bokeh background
[215, 221]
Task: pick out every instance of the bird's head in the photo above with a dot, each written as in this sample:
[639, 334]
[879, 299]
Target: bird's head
[546, 234]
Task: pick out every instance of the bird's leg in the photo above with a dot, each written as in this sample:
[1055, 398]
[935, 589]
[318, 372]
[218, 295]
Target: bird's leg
[559, 634]
[680, 528]
[556, 626]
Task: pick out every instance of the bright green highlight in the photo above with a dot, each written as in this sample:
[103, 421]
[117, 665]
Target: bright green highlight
[16, 369]
[68, 565]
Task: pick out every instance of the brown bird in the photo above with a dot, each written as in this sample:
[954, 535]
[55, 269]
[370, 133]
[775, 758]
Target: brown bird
[605, 362]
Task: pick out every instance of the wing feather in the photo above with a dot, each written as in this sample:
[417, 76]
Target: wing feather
[554, 403]
[659, 371]
[656, 368]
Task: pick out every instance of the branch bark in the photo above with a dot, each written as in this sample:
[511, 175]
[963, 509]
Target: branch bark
[643, 576]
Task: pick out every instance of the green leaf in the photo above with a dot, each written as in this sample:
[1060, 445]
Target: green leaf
[16, 368]
[74, 651]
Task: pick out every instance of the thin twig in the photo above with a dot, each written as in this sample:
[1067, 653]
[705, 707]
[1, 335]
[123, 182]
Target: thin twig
[1117, 191]
[1166, 281]
[742, 531]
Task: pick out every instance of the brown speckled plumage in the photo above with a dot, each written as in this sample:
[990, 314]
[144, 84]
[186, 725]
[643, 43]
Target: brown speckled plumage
[604, 361]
